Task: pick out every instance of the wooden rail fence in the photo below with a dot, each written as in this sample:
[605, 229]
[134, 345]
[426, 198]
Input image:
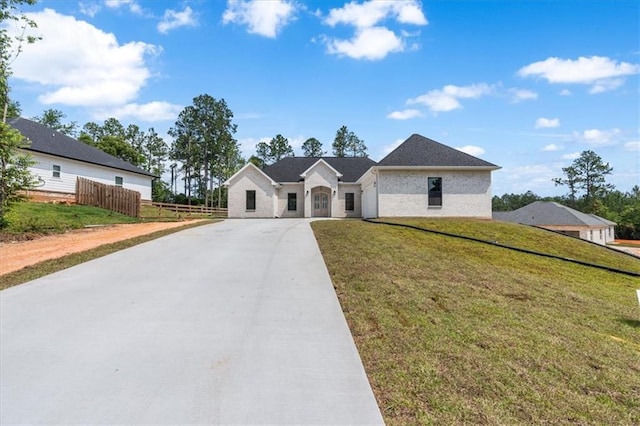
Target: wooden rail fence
[110, 197]
[190, 210]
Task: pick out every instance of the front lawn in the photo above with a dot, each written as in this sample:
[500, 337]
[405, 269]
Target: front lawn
[451, 331]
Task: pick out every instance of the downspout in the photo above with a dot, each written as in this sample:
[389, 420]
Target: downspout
[375, 183]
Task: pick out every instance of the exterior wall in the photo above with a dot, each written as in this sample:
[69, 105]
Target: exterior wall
[369, 200]
[71, 169]
[283, 198]
[464, 193]
[339, 209]
[321, 175]
[599, 235]
[266, 200]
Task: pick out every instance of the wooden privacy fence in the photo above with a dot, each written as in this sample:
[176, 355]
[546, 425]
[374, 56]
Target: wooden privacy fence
[110, 197]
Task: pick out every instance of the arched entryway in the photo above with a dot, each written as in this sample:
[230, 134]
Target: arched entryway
[321, 202]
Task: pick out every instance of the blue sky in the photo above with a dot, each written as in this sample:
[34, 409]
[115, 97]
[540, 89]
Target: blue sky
[527, 85]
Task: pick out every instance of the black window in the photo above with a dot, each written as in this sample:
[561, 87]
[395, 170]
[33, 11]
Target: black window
[435, 192]
[119, 180]
[56, 171]
[251, 200]
[292, 201]
[349, 201]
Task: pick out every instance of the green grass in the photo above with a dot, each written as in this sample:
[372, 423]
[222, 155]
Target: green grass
[51, 218]
[54, 265]
[451, 331]
[48, 218]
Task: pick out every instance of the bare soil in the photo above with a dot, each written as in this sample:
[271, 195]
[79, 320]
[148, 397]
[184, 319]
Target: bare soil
[15, 255]
[633, 250]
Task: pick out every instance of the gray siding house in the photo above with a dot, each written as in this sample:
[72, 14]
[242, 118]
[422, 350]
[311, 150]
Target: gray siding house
[60, 160]
[419, 178]
[562, 219]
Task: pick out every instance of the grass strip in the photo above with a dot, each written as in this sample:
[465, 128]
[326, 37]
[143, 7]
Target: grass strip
[54, 265]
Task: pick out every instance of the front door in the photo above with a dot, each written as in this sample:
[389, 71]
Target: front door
[321, 205]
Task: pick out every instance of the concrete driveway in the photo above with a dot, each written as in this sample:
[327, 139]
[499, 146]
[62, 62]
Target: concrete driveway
[230, 323]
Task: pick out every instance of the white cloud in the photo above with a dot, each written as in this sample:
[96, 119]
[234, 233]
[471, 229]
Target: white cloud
[404, 114]
[606, 85]
[547, 123]
[600, 72]
[632, 146]
[134, 7]
[370, 13]
[296, 142]
[565, 92]
[248, 145]
[535, 177]
[519, 95]
[173, 19]
[78, 64]
[89, 9]
[551, 147]
[368, 43]
[597, 137]
[370, 40]
[476, 151]
[265, 18]
[571, 156]
[447, 98]
[150, 112]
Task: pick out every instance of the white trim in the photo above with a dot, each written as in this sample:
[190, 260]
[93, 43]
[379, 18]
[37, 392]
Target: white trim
[371, 169]
[304, 174]
[228, 181]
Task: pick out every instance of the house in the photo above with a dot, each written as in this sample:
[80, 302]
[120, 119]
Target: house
[562, 219]
[60, 159]
[421, 177]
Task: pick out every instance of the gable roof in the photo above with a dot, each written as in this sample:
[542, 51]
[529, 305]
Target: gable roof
[418, 151]
[48, 141]
[245, 167]
[289, 169]
[321, 161]
[551, 213]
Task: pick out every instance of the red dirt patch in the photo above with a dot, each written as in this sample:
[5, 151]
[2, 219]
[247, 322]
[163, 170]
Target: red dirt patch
[15, 255]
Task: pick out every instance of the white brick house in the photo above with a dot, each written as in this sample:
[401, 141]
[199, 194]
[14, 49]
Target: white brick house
[60, 160]
[419, 178]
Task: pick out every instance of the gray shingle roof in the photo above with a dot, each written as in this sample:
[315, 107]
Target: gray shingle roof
[420, 151]
[48, 141]
[550, 213]
[289, 169]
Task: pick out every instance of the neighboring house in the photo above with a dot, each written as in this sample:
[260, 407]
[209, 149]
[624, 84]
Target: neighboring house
[419, 178]
[559, 218]
[61, 159]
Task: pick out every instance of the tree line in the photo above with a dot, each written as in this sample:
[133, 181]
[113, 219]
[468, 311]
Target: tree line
[345, 144]
[203, 153]
[588, 192]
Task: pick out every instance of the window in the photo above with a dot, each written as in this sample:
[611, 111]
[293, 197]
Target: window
[55, 171]
[292, 201]
[349, 202]
[119, 180]
[435, 191]
[601, 234]
[251, 200]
